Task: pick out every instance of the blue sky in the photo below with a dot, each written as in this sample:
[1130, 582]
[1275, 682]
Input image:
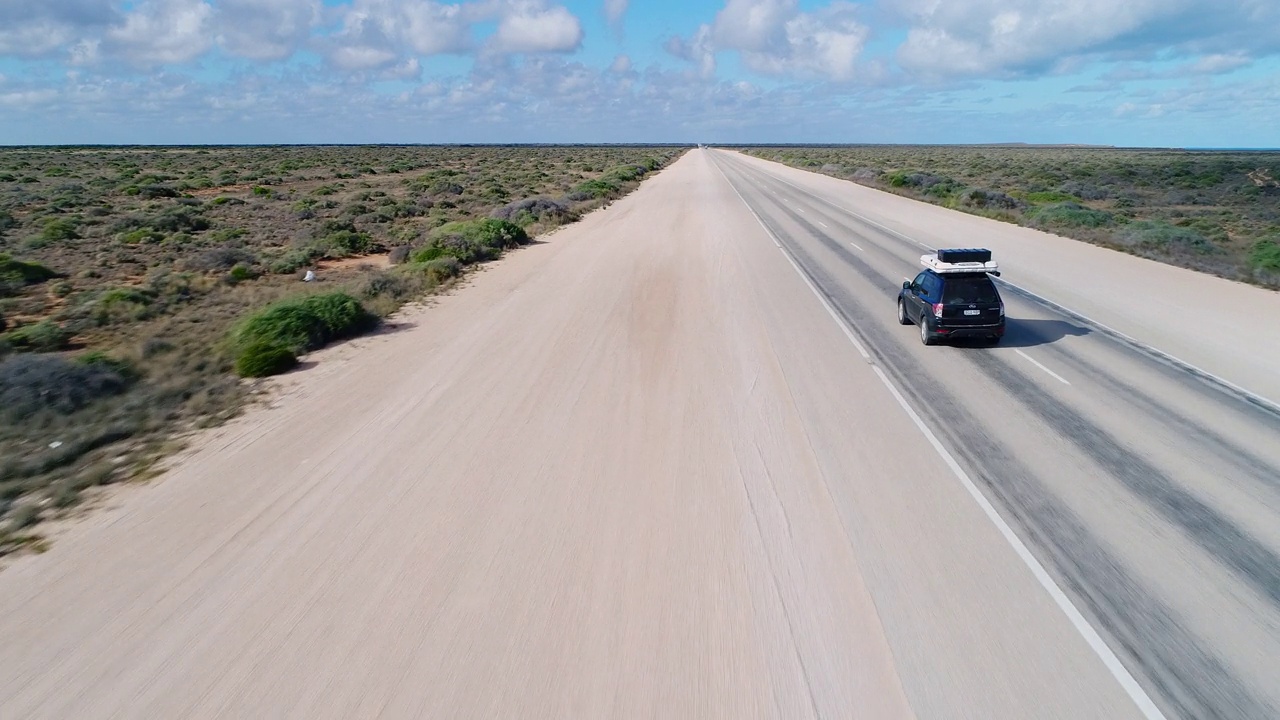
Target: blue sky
[1183, 73]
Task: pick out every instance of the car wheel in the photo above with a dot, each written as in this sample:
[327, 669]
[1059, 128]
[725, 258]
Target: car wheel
[926, 337]
[993, 340]
[902, 313]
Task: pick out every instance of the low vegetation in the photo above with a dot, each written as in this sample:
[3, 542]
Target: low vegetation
[138, 285]
[1217, 212]
[269, 341]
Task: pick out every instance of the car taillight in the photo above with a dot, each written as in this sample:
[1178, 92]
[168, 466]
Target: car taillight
[1001, 309]
[937, 310]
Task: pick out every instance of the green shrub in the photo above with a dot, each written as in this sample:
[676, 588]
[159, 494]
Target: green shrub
[100, 359]
[530, 210]
[181, 219]
[1160, 235]
[1068, 214]
[142, 235]
[488, 232]
[472, 241]
[23, 273]
[627, 173]
[1050, 196]
[1265, 255]
[431, 252]
[1206, 227]
[226, 235]
[263, 358]
[15, 274]
[296, 259]
[261, 191]
[306, 324]
[59, 229]
[442, 269]
[241, 272]
[986, 199]
[896, 179]
[948, 188]
[122, 305]
[44, 336]
[598, 188]
[155, 192]
[396, 284]
[349, 242]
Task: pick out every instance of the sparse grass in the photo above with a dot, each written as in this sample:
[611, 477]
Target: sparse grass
[1207, 211]
[124, 270]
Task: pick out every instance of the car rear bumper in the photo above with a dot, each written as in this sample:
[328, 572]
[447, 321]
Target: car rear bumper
[962, 331]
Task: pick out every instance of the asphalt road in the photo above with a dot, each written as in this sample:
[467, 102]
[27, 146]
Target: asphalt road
[679, 460]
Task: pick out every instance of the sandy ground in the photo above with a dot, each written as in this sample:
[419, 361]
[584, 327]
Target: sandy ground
[633, 471]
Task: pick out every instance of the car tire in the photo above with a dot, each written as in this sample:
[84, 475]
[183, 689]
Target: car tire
[926, 337]
[902, 313]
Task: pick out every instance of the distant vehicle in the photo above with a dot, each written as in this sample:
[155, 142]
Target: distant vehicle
[954, 297]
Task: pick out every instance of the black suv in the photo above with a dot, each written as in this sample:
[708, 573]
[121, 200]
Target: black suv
[947, 300]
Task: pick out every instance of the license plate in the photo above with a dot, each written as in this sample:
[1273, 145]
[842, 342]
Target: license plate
[972, 312]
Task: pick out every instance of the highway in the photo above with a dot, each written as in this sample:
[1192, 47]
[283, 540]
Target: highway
[680, 460]
[1148, 493]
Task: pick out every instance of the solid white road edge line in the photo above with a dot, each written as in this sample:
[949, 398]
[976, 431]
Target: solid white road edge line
[1042, 367]
[1177, 362]
[1091, 637]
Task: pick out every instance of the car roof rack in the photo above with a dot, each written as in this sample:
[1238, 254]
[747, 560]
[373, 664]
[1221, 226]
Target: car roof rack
[961, 260]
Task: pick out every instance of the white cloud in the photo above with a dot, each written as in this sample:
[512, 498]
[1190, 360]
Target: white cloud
[699, 50]
[27, 99]
[362, 57]
[614, 10]
[775, 38]
[1010, 37]
[826, 43]
[379, 34]
[162, 32]
[410, 69]
[531, 27]
[265, 29]
[1218, 63]
[434, 28]
[621, 65]
[35, 29]
[753, 25]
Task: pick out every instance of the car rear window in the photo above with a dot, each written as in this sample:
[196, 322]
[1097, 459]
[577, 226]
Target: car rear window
[969, 291]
